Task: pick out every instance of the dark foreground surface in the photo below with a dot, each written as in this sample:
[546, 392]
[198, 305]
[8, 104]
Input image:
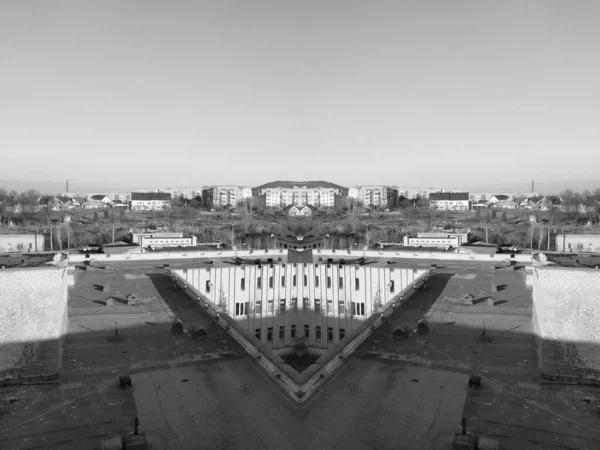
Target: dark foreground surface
[396, 392]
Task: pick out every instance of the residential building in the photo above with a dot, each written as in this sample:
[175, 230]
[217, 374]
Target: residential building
[506, 204]
[225, 196]
[185, 192]
[498, 198]
[447, 201]
[103, 198]
[304, 211]
[12, 243]
[318, 197]
[141, 201]
[413, 193]
[375, 196]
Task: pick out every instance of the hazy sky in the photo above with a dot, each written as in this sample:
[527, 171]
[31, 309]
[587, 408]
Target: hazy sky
[175, 93]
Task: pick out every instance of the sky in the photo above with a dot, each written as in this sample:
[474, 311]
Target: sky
[478, 94]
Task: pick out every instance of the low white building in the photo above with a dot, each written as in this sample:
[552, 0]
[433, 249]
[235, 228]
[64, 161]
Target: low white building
[163, 241]
[449, 201]
[578, 243]
[150, 201]
[10, 243]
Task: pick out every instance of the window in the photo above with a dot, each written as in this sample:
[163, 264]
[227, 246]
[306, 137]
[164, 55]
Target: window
[305, 280]
[305, 303]
[318, 333]
[342, 333]
[293, 331]
[358, 309]
[306, 331]
[207, 288]
[341, 307]
[243, 284]
[392, 286]
[282, 280]
[328, 282]
[258, 307]
[329, 306]
[294, 280]
[270, 334]
[356, 284]
[270, 307]
[257, 333]
[241, 309]
[317, 305]
[259, 283]
[271, 282]
[281, 333]
[341, 283]
[282, 305]
[329, 333]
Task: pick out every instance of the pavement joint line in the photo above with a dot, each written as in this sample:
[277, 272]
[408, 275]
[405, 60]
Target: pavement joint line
[87, 393]
[507, 390]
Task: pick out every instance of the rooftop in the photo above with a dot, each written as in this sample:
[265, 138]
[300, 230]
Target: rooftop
[410, 388]
[21, 260]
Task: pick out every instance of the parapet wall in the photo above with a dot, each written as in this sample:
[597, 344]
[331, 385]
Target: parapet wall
[33, 322]
[566, 322]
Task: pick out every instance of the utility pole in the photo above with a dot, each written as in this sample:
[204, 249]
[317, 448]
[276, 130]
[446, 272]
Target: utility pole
[531, 245]
[549, 224]
[51, 244]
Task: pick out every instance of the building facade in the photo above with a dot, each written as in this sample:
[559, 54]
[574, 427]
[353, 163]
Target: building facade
[281, 197]
[10, 243]
[225, 196]
[141, 201]
[447, 201]
[280, 303]
[375, 196]
[578, 243]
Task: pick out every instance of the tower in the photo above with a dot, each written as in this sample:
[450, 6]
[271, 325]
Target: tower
[67, 186]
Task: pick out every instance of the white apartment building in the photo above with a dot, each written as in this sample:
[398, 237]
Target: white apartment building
[185, 192]
[319, 197]
[412, 193]
[370, 195]
[229, 195]
[321, 303]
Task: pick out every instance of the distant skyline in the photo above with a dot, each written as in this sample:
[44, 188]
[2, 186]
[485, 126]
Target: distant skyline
[435, 93]
[552, 187]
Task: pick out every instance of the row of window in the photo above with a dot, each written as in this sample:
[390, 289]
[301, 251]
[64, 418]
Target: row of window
[294, 283]
[318, 333]
[356, 308]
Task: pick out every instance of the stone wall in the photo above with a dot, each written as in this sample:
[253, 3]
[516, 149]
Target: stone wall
[33, 322]
[566, 321]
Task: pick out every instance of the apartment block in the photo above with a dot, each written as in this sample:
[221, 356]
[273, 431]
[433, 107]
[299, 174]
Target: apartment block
[281, 197]
[374, 196]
